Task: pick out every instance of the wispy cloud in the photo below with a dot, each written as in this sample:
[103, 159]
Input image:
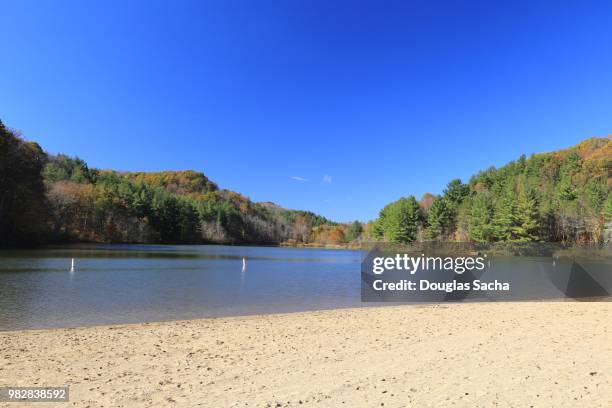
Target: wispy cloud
[327, 179]
[298, 178]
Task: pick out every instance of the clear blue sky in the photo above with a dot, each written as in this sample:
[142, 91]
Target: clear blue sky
[384, 98]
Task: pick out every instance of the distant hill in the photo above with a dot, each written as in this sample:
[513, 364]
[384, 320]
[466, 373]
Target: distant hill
[56, 198]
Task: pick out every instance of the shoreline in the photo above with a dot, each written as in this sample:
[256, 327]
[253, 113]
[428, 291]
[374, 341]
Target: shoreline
[365, 305]
[281, 245]
[600, 251]
[461, 354]
[196, 319]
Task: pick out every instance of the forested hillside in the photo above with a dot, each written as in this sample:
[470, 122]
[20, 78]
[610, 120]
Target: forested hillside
[46, 198]
[562, 196]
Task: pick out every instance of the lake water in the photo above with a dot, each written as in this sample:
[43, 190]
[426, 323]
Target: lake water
[138, 283]
[114, 284]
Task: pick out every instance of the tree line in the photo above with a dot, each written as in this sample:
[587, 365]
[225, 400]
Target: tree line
[55, 198]
[562, 196]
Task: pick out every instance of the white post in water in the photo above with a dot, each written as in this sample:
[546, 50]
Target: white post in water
[72, 266]
[242, 273]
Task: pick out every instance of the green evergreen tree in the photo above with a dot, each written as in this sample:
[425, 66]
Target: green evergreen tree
[440, 219]
[378, 230]
[455, 193]
[399, 221]
[480, 218]
[595, 195]
[505, 218]
[528, 222]
[565, 188]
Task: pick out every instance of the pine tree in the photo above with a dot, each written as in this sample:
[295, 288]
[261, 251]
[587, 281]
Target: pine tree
[480, 218]
[440, 219]
[399, 221]
[565, 187]
[455, 193]
[595, 195]
[528, 223]
[378, 230]
[505, 218]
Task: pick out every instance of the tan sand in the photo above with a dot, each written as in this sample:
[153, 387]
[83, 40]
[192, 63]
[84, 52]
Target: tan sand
[462, 355]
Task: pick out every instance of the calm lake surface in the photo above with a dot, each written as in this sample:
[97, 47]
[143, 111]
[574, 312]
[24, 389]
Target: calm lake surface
[139, 283]
[114, 284]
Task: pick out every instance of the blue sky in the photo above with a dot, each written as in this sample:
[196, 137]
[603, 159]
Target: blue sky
[332, 106]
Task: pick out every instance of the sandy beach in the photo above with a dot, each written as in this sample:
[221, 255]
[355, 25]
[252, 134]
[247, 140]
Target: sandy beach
[485, 354]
